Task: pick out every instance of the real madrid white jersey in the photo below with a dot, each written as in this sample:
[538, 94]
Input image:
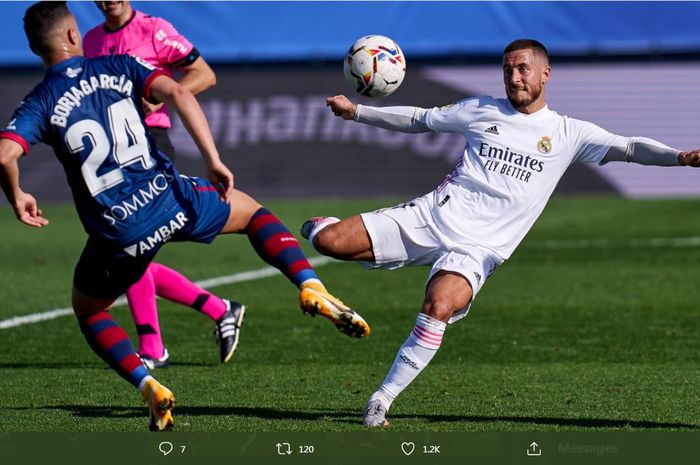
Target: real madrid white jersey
[511, 164]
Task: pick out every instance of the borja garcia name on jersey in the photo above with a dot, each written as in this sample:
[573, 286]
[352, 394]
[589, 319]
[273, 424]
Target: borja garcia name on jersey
[71, 98]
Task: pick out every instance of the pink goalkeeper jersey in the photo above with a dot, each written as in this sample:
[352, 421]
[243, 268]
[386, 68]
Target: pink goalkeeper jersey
[153, 39]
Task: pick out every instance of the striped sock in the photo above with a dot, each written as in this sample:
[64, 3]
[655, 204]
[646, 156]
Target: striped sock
[415, 354]
[111, 343]
[278, 247]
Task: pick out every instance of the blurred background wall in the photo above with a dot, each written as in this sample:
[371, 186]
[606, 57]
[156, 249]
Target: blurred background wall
[630, 67]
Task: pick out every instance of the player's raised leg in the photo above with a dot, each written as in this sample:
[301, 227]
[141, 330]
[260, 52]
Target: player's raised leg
[342, 239]
[277, 246]
[447, 293]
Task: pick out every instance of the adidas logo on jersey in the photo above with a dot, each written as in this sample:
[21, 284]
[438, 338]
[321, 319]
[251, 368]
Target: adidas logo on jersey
[492, 130]
[73, 73]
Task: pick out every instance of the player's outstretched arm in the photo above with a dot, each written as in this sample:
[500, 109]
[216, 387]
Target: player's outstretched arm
[25, 205]
[691, 158]
[166, 90]
[645, 151]
[401, 119]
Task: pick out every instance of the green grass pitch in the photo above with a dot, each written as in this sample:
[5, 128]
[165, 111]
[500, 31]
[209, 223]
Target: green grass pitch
[593, 325]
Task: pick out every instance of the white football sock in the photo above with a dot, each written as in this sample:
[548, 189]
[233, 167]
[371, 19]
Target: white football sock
[143, 382]
[319, 225]
[415, 354]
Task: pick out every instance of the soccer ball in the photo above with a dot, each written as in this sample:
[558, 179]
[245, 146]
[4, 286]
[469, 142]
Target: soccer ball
[374, 66]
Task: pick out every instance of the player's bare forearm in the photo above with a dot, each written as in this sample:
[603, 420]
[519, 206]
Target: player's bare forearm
[691, 158]
[24, 205]
[198, 77]
[341, 106]
[188, 109]
[7, 182]
[10, 151]
[196, 124]
[166, 90]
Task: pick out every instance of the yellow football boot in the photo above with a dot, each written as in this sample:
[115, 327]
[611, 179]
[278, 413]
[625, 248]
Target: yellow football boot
[160, 403]
[316, 300]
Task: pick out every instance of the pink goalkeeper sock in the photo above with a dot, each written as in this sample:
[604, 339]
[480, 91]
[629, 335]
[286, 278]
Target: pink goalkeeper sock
[142, 303]
[171, 285]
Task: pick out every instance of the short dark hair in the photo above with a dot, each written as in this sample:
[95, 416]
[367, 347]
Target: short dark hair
[532, 44]
[40, 20]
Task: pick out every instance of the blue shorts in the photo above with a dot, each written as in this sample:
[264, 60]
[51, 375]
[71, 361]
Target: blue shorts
[194, 212]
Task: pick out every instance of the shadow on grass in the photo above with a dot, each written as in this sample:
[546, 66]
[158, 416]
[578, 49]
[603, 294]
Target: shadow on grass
[353, 417]
[553, 421]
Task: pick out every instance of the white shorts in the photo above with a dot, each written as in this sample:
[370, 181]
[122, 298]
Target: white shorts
[405, 235]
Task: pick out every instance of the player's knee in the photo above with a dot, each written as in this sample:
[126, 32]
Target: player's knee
[84, 306]
[439, 309]
[329, 241]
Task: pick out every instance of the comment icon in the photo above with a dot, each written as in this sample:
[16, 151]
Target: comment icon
[165, 447]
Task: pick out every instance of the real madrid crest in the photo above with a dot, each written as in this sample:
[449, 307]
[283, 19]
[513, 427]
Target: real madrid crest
[545, 145]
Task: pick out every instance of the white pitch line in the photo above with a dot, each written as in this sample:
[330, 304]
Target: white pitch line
[206, 284]
[669, 242]
[35, 318]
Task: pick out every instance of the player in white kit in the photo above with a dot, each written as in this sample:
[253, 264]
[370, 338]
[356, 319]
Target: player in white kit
[517, 150]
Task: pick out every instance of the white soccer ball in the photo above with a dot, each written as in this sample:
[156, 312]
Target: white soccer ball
[375, 66]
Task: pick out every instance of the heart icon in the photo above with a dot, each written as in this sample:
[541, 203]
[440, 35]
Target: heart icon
[408, 447]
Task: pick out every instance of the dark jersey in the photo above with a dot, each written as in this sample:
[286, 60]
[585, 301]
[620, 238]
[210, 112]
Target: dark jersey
[89, 111]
